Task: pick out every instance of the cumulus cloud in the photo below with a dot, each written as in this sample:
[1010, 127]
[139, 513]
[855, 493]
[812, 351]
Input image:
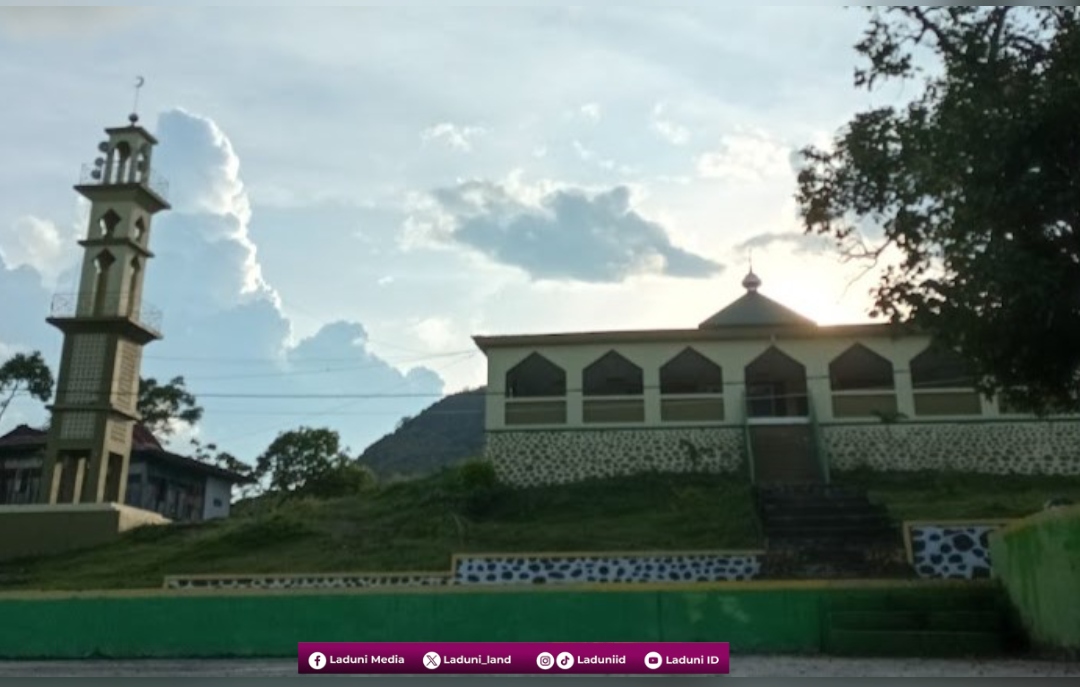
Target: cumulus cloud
[802, 244]
[746, 157]
[451, 135]
[224, 327]
[39, 244]
[559, 234]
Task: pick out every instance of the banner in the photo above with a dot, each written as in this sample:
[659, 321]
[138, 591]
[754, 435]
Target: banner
[514, 658]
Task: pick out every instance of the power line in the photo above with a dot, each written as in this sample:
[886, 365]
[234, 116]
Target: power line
[961, 383]
[337, 408]
[328, 370]
[285, 359]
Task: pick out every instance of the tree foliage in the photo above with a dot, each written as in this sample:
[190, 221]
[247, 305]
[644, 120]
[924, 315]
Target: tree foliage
[974, 185]
[210, 454]
[162, 405]
[24, 374]
[311, 461]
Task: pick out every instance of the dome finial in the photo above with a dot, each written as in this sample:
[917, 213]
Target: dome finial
[752, 282]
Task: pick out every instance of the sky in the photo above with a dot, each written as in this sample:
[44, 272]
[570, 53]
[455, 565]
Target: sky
[357, 191]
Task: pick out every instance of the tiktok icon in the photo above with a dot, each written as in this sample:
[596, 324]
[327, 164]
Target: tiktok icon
[317, 661]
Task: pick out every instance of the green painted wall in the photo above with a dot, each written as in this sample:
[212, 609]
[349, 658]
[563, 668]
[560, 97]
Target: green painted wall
[1037, 560]
[760, 619]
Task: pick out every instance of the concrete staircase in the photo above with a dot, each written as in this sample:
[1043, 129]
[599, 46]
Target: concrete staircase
[784, 454]
[951, 622]
[822, 532]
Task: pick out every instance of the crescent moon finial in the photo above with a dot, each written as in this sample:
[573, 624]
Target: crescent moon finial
[139, 81]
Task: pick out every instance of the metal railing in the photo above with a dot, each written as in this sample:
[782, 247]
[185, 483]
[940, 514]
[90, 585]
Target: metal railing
[818, 443]
[72, 305]
[748, 439]
[92, 175]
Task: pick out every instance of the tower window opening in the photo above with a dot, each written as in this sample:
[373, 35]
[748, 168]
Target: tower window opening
[103, 263]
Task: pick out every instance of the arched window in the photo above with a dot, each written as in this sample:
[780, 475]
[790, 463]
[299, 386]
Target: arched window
[613, 375]
[860, 369]
[123, 163]
[140, 230]
[534, 377]
[133, 288]
[142, 165]
[103, 264]
[682, 380]
[691, 373]
[943, 383]
[941, 368]
[863, 384]
[776, 386]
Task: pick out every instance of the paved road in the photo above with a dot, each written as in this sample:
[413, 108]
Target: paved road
[741, 666]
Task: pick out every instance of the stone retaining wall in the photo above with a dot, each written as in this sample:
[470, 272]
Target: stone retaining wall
[1000, 448]
[535, 458]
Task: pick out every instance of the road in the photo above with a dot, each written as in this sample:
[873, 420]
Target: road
[741, 666]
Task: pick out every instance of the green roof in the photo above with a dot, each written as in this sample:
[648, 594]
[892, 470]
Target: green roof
[754, 310]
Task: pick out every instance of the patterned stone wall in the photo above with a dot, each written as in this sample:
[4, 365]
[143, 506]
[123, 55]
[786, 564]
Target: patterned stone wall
[512, 569]
[315, 581]
[534, 458]
[1023, 447]
[627, 569]
[960, 551]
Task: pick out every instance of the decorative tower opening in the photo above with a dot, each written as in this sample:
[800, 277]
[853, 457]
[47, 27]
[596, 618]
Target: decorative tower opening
[105, 326]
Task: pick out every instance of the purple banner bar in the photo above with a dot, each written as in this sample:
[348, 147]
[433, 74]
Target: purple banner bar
[514, 658]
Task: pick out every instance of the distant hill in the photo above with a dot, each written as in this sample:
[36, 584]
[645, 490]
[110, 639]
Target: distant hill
[447, 432]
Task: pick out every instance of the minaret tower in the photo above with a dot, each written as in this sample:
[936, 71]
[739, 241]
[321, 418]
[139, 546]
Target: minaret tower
[105, 326]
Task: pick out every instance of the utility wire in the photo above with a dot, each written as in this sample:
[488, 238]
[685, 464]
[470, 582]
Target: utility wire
[310, 416]
[960, 383]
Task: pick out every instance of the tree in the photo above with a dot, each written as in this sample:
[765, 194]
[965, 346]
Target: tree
[300, 456]
[162, 404]
[974, 187]
[24, 374]
[208, 453]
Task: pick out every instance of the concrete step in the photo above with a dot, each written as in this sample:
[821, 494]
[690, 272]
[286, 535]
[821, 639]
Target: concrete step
[862, 531]
[785, 519]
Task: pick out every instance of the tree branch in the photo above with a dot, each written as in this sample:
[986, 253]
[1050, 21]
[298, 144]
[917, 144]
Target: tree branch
[944, 42]
[998, 18]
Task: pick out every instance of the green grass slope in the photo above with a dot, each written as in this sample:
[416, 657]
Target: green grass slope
[413, 526]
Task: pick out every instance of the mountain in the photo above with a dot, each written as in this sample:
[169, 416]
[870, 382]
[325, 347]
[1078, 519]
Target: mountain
[447, 432]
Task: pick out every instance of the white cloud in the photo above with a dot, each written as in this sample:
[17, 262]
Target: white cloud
[671, 132]
[437, 333]
[749, 157]
[385, 281]
[566, 233]
[209, 200]
[591, 112]
[456, 137]
[39, 244]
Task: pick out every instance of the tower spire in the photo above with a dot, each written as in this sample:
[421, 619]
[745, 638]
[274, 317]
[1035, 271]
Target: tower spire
[752, 282]
[134, 116]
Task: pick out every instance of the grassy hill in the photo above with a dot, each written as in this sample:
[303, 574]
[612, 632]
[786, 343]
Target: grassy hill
[447, 432]
[416, 525]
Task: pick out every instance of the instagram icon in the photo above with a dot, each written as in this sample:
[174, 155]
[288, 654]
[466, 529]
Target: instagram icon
[545, 661]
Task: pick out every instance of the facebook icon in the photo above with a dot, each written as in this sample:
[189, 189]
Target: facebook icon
[317, 661]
